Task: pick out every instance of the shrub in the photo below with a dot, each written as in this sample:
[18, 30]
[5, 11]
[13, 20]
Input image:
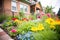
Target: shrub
[21, 14]
[2, 18]
[58, 31]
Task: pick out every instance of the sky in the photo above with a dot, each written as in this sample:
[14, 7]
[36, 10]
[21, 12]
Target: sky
[53, 3]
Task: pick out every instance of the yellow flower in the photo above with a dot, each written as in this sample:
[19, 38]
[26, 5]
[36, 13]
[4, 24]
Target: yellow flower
[34, 29]
[52, 27]
[8, 22]
[18, 21]
[40, 27]
[50, 21]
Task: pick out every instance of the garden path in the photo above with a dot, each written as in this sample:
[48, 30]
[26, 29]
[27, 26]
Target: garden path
[4, 36]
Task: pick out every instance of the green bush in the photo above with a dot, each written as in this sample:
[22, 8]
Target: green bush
[45, 35]
[2, 18]
[21, 14]
[58, 31]
[58, 28]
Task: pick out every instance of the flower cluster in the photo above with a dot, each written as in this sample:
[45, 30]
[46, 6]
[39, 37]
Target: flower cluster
[39, 28]
[13, 31]
[14, 19]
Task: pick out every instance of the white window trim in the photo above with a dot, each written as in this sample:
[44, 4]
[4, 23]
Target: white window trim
[24, 8]
[11, 6]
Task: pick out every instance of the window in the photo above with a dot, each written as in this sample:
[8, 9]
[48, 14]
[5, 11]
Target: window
[13, 5]
[23, 7]
[26, 8]
[37, 11]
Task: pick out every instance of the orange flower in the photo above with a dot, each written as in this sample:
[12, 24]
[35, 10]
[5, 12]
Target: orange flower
[57, 22]
[25, 19]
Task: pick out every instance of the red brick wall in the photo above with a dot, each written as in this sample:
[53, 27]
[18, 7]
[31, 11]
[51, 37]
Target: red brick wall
[7, 7]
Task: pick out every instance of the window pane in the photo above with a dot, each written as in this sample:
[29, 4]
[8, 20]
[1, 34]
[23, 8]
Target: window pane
[13, 8]
[14, 4]
[26, 8]
[21, 7]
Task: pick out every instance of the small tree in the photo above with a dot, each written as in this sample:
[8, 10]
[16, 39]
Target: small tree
[49, 9]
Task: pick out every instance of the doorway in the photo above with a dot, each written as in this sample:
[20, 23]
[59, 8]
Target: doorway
[1, 6]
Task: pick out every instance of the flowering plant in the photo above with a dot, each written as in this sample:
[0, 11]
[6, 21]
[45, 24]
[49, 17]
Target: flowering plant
[14, 19]
[40, 30]
[13, 31]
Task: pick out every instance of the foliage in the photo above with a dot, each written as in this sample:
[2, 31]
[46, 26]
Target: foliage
[45, 35]
[33, 16]
[48, 9]
[58, 31]
[21, 14]
[40, 30]
[58, 28]
[2, 18]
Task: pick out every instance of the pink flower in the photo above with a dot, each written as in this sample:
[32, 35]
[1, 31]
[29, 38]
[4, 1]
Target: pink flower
[38, 16]
[42, 14]
[31, 18]
[49, 15]
[13, 31]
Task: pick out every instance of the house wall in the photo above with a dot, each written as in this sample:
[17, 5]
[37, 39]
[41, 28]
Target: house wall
[7, 8]
[38, 6]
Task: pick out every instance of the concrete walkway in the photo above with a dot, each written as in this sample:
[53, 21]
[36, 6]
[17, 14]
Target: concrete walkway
[4, 36]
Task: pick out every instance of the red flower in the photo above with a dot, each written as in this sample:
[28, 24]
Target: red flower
[13, 31]
[14, 19]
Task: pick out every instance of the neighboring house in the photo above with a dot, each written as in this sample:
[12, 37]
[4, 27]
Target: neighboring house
[15, 6]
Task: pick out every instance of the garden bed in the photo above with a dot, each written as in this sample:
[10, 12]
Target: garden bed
[31, 30]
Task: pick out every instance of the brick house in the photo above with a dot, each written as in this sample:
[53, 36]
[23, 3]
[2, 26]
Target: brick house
[15, 6]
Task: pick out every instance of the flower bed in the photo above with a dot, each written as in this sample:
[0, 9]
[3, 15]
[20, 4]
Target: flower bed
[25, 29]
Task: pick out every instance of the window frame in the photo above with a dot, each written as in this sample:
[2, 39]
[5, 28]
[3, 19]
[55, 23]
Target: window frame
[13, 2]
[23, 7]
